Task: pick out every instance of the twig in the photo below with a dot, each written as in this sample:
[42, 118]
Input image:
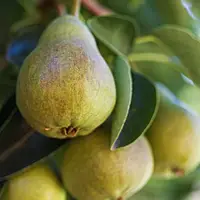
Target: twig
[18, 144]
[61, 9]
[96, 8]
[76, 7]
[45, 6]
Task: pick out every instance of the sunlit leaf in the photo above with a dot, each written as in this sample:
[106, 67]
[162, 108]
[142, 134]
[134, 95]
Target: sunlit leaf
[165, 73]
[143, 109]
[185, 45]
[123, 80]
[115, 31]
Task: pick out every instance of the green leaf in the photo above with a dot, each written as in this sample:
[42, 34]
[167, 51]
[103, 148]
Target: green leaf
[8, 78]
[5, 94]
[21, 147]
[185, 45]
[8, 75]
[116, 32]
[173, 12]
[151, 49]
[150, 44]
[4, 192]
[10, 12]
[148, 17]
[138, 57]
[107, 54]
[29, 6]
[142, 10]
[165, 73]
[125, 6]
[184, 13]
[7, 110]
[123, 80]
[143, 109]
[152, 58]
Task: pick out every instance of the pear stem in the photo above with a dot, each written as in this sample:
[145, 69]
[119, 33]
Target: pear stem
[76, 7]
[96, 8]
[178, 172]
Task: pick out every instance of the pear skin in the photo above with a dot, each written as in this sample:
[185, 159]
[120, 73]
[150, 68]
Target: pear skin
[35, 183]
[69, 27]
[90, 170]
[65, 88]
[174, 137]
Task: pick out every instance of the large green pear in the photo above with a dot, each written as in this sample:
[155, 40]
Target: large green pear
[35, 183]
[90, 170]
[65, 88]
[174, 137]
[66, 27]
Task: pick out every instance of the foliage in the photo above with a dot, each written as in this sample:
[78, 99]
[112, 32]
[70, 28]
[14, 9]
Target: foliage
[145, 42]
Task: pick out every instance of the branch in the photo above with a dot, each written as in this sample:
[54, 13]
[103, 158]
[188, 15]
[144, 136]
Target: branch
[16, 146]
[96, 8]
[61, 9]
[45, 5]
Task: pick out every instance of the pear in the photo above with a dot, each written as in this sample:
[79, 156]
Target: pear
[65, 88]
[175, 137]
[190, 95]
[66, 27]
[90, 170]
[35, 183]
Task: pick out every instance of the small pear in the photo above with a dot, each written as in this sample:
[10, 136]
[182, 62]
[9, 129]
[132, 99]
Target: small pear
[175, 137]
[65, 88]
[90, 170]
[190, 95]
[36, 183]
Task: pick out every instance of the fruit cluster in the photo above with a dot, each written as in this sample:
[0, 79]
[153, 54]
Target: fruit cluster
[65, 89]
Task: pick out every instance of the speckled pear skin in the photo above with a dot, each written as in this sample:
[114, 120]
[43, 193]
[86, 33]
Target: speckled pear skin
[95, 172]
[175, 138]
[65, 85]
[35, 183]
[68, 26]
